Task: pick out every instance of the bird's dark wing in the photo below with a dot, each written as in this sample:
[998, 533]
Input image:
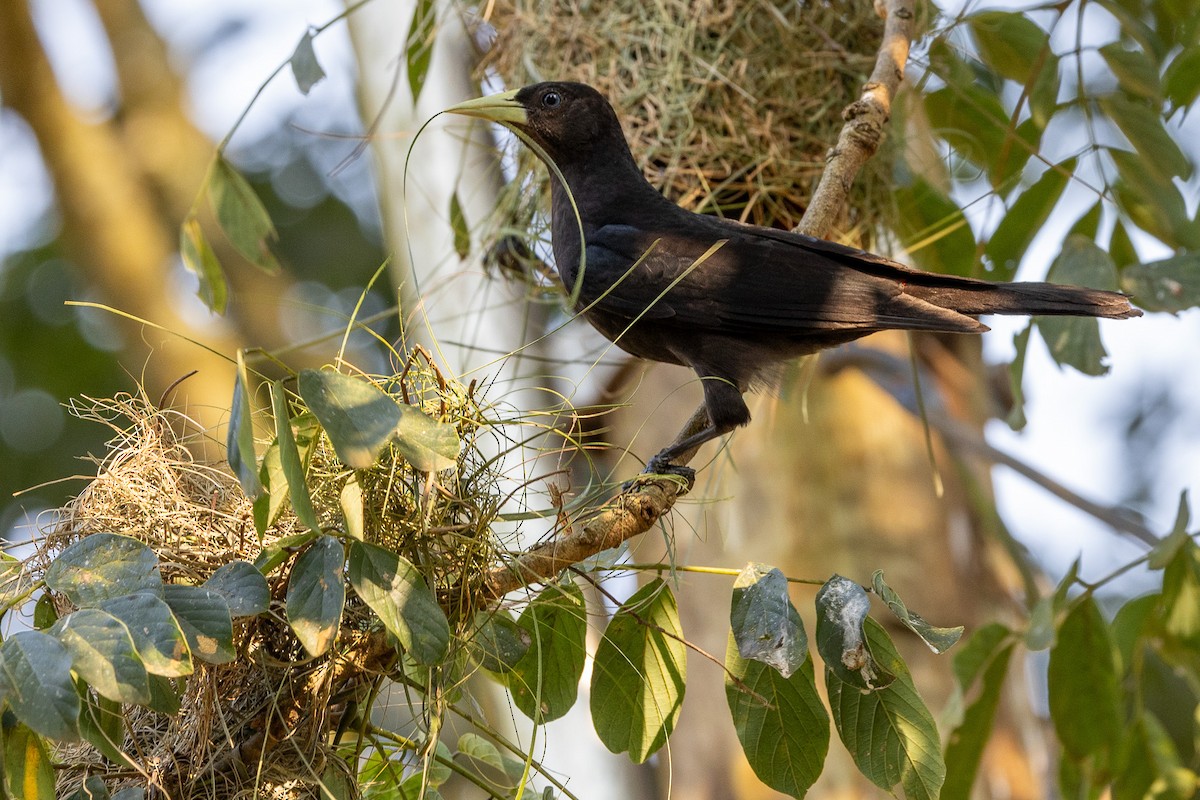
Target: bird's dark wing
[753, 284]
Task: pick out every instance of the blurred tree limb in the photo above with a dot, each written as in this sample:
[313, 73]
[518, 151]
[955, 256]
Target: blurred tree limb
[111, 220]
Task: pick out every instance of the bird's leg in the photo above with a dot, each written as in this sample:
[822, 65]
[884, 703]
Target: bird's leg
[723, 410]
[660, 464]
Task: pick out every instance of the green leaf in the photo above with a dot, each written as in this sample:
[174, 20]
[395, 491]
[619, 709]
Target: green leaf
[157, 637]
[350, 500]
[278, 551]
[978, 651]
[1043, 94]
[1040, 633]
[380, 776]
[1075, 341]
[360, 419]
[15, 583]
[964, 750]
[358, 416]
[480, 750]
[244, 588]
[939, 639]
[419, 45]
[1135, 24]
[639, 673]
[1136, 73]
[44, 612]
[499, 642]
[1016, 374]
[1120, 247]
[1132, 624]
[436, 771]
[1152, 202]
[1169, 545]
[932, 228]
[1143, 127]
[290, 462]
[305, 67]
[93, 789]
[1182, 79]
[203, 616]
[200, 260]
[410, 789]
[973, 122]
[101, 566]
[103, 726]
[1082, 679]
[842, 607]
[1088, 225]
[1009, 42]
[1148, 757]
[239, 443]
[780, 722]
[889, 733]
[1180, 608]
[393, 588]
[306, 431]
[545, 683]
[316, 594]
[241, 215]
[270, 503]
[458, 224]
[103, 654]
[764, 622]
[1172, 284]
[1026, 216]
[429, 445]
[35, 679]
[335, 783]
[28, 772]
[164, 698]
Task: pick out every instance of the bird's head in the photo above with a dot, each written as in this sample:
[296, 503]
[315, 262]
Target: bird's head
[570, 121]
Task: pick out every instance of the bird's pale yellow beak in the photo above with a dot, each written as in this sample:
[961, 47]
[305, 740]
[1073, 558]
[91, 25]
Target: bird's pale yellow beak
[502, 108]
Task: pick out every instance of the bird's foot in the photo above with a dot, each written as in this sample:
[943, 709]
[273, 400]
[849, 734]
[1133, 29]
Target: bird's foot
[658, 467]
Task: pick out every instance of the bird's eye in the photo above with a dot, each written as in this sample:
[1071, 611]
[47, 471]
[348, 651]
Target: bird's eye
[551, 99]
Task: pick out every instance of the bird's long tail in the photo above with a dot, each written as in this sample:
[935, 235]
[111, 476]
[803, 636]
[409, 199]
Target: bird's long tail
[981, 297]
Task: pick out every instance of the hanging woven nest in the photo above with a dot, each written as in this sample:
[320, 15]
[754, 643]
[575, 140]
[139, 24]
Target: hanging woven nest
[730, 106]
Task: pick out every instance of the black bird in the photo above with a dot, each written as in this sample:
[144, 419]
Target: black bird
[731, 301]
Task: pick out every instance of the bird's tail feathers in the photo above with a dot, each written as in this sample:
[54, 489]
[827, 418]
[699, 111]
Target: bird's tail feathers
[1028, 298]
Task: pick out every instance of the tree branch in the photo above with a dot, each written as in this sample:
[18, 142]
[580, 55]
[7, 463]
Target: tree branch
[865, 119]
[634, 511]
[629, 514]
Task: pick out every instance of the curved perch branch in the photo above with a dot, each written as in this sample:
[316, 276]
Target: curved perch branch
[629, 514]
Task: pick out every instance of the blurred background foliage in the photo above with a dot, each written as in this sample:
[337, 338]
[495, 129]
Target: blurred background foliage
[140, 98]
